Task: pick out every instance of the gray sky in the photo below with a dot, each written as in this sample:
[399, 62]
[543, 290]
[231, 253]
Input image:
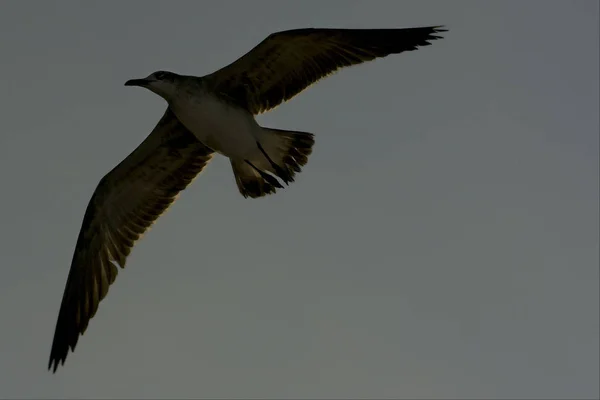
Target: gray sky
[441, 242]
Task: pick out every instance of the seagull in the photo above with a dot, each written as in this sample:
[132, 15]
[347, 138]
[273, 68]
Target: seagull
[208, 115]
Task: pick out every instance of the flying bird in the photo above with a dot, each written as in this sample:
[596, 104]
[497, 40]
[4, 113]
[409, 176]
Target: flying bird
[205, 115]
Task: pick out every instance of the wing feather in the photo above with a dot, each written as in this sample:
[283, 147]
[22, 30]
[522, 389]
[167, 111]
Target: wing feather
[126, 202]
[287, 62]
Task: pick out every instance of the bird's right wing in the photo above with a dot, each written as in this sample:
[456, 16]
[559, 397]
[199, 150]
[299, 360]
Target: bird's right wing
[124, 205]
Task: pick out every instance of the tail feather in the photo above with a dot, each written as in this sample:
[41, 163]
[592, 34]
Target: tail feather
[251, 182]
[281, 154]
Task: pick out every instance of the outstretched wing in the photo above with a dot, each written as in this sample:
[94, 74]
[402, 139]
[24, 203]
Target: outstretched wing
[124, 205]
[287, 62]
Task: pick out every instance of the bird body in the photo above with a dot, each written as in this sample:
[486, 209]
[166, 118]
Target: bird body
[229, 130]
[257, 154]
[205, 115]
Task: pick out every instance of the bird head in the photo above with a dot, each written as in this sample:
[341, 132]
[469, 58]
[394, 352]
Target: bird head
[163, 83]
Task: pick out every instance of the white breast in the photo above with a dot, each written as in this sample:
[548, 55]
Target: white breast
[228, 130]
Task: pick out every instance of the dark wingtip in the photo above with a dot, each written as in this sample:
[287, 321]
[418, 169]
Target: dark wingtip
[436, 29]
[54, 367]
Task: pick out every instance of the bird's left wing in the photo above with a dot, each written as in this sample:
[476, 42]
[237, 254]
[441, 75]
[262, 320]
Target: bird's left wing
[125, 204]
[287, 62]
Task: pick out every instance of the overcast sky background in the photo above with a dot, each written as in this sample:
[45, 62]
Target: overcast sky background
[442, 241]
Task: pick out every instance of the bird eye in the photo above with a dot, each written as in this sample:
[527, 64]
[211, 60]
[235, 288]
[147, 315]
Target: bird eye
[159, 75]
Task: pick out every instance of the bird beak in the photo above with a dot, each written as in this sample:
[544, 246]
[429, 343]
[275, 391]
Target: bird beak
[137, 82]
